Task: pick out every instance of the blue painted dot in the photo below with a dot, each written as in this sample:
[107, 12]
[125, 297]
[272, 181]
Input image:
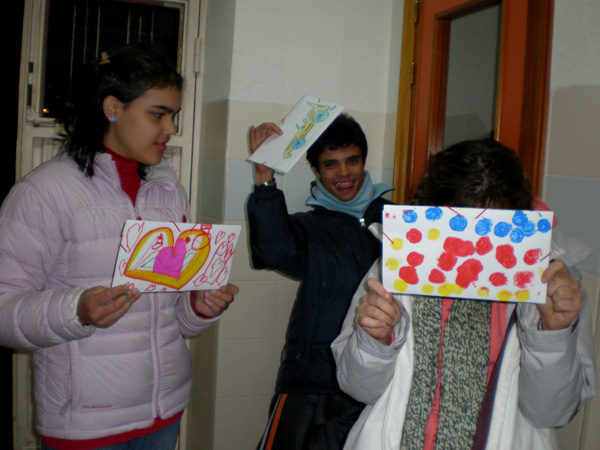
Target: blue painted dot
[483, 227]
[409, 216]
[502, 229]
[298, 143]
[320, 116]
[458, 223]
[529, 229]
[434, 213]
[544, 226]
[520, 218]
[517, 235]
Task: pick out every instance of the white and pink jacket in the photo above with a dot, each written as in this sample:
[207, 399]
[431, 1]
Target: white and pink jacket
[59, 234]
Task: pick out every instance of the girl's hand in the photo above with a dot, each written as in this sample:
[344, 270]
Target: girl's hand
[213, 303]
[563, 299]
[256, 137]
[102, 307]
[378, 312]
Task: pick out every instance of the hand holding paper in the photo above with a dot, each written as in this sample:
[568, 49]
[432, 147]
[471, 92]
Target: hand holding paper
[256, 137]
[378, 312]
[563, 300]
[213, 303]
[102, 307]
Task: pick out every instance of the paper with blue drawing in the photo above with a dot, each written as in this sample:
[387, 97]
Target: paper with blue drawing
[301, 127]
[474, 253]
[169, 256]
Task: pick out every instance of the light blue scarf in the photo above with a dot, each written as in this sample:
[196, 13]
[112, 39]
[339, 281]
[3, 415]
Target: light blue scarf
[355, 207]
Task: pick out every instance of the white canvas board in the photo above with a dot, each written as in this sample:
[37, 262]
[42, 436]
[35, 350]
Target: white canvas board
[169, 256]
[473, 253]
[301, 127]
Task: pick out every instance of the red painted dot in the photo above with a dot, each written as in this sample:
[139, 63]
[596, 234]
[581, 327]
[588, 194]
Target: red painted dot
[484, 246]
[414, 236]
[532, 256]
[498, 279]
[446, 261]
[409, 274]
[458, 247]
[468, 272]
[414, 259]
[505, 254]
[523, 279]
[437, 276]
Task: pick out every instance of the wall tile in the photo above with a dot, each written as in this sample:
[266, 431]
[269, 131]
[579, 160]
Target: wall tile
[575, 133]
[212, 188]
[571, 198]
[240, 421]
[244, 367]
[253, 314]
[204, 357]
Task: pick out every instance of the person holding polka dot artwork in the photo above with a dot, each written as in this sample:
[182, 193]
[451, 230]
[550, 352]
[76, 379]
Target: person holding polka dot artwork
[438, 373]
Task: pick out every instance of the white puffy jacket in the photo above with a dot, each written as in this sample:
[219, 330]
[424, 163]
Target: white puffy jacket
[59, 234]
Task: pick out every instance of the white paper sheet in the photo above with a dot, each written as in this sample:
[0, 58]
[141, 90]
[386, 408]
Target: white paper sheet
[301, 128]
[484, 254]
[169, 256]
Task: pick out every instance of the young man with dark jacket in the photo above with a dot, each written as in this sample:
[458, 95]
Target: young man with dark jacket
[327, 249]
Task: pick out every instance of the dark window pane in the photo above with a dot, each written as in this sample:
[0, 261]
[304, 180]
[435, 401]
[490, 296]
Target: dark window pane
[79, 30]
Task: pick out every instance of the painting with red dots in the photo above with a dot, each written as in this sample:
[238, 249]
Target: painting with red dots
[169, 256]
[473, 253]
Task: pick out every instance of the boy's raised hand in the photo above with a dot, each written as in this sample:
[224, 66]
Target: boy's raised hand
[563, 298]
[378, 312]
[256, 137]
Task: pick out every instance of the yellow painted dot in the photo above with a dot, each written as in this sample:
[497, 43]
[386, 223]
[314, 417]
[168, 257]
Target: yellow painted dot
[397, 243]
[457, 289]
[392, 263]
[523, 295]
[400, 285]
[483, 292]
[445, 289]
[428, 289]
[504, 295]
[433, 234]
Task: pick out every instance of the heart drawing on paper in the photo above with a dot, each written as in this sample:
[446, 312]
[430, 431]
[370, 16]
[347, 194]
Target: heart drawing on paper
[160, 258]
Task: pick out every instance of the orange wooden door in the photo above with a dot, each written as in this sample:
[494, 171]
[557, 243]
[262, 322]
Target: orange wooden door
[521, 88]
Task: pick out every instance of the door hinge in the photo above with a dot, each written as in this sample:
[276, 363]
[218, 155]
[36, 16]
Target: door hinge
[416, 11]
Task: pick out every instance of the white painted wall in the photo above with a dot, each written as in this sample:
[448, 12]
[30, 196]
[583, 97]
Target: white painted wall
[572, 176]
[261, 56]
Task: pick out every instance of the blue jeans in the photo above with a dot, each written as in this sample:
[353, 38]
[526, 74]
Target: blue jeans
[163, 439]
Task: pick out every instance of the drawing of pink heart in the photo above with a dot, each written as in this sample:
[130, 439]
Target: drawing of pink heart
[219, 236]
[151, 288]
[169, 260]
[133, 235]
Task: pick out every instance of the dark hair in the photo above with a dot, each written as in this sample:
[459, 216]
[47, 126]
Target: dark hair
[477, 173]
[126, 73]
[343, 132]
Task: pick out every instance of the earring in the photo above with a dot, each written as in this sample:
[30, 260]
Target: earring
[112, 118]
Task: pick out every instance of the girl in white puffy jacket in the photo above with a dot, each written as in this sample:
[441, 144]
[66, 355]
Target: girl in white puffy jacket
[111, 365]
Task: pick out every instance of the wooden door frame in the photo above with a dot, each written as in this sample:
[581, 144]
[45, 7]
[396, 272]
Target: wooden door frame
[522, 97]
